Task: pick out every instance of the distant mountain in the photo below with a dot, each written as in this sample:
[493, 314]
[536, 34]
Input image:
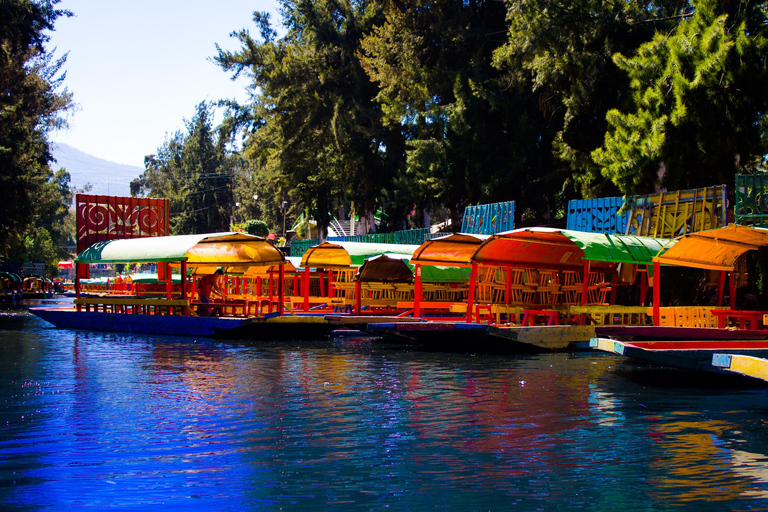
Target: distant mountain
[107, 178]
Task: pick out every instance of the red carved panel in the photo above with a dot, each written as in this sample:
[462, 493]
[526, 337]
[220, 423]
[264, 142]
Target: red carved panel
[101, 218]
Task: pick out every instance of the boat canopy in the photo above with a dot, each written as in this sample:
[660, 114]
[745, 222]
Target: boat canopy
[452, 251]
[561, 248]
[347, 254]
[231, 250]
[383, 269]
[714, 249]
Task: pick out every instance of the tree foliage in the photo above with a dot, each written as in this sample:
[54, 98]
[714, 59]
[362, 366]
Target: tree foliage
[33, 199]
[317, 130]
[194, 171]
[468, 138]
[698, 110]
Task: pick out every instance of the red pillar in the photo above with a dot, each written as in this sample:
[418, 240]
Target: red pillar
[418, 292]
[305, 288]
[183, 280]
[733, 289]
[721, 288]
[643, 285]
[656, 293]
[584, 289]
[280, 292]
[168, 281]
[358, 296]
[471, 293]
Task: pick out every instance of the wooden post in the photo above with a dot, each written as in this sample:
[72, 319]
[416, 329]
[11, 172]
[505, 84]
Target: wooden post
[721, 288]
[358, 296]
[656, 293]
[471, 293]
[614, 286]
[305, 288]
[643, 285]
[280, 292]
[258, 286]
[733, 289]
[168, 281]
[418, 291]
[184, 282]
[584, 290]
[509, 286]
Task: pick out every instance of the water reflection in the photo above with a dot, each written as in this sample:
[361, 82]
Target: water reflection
[133, 421]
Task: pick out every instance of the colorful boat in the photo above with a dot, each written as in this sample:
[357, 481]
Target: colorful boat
[689, 355]
[10, 288]
[175, 313]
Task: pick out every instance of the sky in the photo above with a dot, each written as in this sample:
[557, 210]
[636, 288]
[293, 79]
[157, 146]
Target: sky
[138, 69]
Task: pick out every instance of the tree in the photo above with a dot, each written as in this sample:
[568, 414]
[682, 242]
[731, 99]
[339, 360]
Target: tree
[698, 112]
[562, 52]
[194, 171]
[469, 138]
[31, 105]
[316, 129]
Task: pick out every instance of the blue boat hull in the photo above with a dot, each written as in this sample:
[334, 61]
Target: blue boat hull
[140, 324]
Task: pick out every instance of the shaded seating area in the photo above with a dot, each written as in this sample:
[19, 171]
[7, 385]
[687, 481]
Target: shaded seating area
[718, 251]
[544, 275]
[192, 256]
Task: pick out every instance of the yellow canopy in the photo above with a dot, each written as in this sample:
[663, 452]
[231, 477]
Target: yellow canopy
[714, 249]
[326, 255]
[346, 254]
[452, 250]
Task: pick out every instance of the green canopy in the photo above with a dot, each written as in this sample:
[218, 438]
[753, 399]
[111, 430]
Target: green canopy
[212, 249]
[567, 249]
[618, 248]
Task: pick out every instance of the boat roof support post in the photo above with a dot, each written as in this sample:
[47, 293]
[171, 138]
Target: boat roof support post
[168, 281]
[732, 280]
[280, 290]
[614, 286]
[305, 288]
[184, 282]
[721, 288]
[418, 291]
[471, 294]
[584, 290]
[358, 296]
[656, 293]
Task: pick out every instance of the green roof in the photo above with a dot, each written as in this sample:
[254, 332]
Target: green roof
[618, 248]
[142, 250]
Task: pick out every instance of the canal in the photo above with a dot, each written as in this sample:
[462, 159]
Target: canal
[127, 422]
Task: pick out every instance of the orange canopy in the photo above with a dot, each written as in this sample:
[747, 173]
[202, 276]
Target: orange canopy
[534, 247]
[452, 250]
[714, 249]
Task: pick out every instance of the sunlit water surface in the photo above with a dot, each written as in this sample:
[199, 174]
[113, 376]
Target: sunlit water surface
[124, 422]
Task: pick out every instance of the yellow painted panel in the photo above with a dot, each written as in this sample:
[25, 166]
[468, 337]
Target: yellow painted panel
[751, 366]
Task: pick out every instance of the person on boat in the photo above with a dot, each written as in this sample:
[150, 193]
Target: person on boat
[207, 286]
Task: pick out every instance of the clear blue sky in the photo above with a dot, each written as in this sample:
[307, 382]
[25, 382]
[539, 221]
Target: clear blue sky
[138, 69]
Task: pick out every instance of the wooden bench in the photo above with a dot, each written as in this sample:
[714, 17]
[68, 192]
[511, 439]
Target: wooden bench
[136, 306]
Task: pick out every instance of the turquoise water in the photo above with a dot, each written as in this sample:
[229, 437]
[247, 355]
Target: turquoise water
[108, 421]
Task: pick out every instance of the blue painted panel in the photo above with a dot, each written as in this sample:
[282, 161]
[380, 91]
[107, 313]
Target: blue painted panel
[597, 215]
[489, 219]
